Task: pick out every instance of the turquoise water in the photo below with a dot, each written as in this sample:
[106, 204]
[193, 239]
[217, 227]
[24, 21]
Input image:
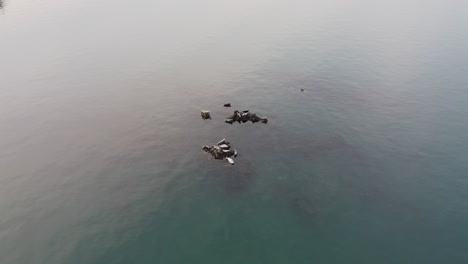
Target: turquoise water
[101, 135]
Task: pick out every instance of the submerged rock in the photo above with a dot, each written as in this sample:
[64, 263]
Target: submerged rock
[239, 177]
[304, 205]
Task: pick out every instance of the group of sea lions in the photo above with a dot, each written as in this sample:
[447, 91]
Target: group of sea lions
[223, 150]
[245, 116]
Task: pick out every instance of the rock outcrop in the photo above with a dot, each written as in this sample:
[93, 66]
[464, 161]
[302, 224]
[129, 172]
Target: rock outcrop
[244, 117]
[222, 150]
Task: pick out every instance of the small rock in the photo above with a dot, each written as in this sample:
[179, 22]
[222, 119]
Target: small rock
[230, 160]
[302, 90]
[227, 105]
[205, 114]
[264, 119]
[229, 121]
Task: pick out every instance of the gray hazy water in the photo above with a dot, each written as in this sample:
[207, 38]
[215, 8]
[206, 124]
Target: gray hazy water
[100, 139]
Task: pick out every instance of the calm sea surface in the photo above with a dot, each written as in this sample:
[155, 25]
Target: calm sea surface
[101, 134]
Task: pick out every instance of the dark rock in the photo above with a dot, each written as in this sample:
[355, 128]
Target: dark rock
[227, 105]
[206, 148]
[302, 90]
[237, 116]
[218, 155]
[244, 117]
[254, 118]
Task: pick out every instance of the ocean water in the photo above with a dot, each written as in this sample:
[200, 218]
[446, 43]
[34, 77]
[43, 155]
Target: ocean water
[101, 134]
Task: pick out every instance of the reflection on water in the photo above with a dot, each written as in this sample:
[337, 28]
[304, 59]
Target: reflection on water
[1, 4]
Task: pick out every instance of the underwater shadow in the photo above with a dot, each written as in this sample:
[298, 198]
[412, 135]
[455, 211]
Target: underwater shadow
[239, 177]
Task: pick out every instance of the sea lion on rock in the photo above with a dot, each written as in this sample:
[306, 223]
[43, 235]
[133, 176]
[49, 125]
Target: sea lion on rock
[221, 150]
[244, 117]
[264, 119]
